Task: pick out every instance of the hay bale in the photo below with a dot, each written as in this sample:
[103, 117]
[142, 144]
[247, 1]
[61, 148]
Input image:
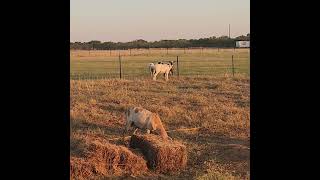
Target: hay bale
[80, 169]
[104, 159]
[117, 159]
[162, 156]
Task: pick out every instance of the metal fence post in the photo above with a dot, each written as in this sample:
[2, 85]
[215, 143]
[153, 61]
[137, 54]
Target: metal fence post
[120, 66]
[178, 66]
[232, 67]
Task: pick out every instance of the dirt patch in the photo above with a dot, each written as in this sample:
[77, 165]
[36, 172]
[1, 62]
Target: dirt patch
[162, 156]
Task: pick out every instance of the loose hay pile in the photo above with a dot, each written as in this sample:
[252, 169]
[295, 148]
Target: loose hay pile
[106, 159]
[162, 156]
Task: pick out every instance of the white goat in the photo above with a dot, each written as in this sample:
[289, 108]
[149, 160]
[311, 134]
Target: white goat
[143, 119]
[164, 68]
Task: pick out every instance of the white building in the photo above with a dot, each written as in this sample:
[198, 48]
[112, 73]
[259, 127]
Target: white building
[242, 44]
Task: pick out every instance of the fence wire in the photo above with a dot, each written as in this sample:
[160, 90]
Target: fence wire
[217, 63]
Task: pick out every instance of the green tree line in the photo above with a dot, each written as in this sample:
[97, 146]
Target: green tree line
[221, 42]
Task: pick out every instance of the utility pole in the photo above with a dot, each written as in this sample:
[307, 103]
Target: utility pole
[229, 31]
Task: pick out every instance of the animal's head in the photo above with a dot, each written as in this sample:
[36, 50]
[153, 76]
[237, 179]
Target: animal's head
[171, 71]
[171, 64]
[165, 136]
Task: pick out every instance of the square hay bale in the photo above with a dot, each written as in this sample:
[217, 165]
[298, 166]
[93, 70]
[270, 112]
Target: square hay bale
[162, 156]
[104, 159]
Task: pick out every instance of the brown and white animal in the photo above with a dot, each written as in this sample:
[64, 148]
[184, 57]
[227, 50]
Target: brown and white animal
[171, 70]
[143, 119]
[163, 68]
[152, 69]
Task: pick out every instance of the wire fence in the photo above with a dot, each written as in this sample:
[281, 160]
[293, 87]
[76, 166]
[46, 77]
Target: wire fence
[152, 51]
[124, 67]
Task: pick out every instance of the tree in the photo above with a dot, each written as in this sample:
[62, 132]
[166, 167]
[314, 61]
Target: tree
[222, 41]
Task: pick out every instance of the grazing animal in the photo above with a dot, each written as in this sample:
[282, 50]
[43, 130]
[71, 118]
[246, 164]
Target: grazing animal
[164, 68]
[143, 119]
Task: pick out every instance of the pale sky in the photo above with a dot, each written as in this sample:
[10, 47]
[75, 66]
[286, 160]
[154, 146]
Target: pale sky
[153, 20]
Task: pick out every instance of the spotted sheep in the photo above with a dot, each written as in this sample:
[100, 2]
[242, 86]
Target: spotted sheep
[152, 69]
[164, 68]
[142, 119]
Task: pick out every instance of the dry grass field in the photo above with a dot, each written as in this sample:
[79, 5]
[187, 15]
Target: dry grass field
[100, 64]
[218, 107]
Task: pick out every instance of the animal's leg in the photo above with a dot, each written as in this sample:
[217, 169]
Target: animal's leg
[155, 75]
[134, 132]
[152, 71]
[167, 74]
[128, 124]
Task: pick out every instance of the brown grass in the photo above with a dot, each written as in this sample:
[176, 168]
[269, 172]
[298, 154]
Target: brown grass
[163, 156]
[218, 106]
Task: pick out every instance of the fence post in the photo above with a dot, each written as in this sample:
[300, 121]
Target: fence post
[232, 67]
[178, 66]
[120, 66]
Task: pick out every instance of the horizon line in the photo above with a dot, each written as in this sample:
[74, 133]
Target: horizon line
[160, 39]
